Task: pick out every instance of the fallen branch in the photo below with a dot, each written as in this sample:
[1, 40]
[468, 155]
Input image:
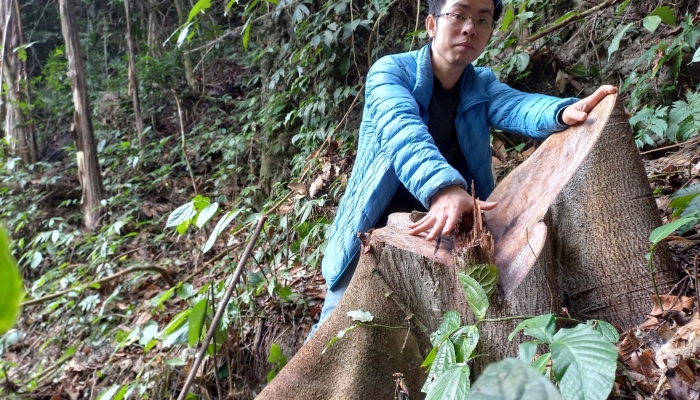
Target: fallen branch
[569, 21]
[162, 271]
[184, 151]
[222, 307]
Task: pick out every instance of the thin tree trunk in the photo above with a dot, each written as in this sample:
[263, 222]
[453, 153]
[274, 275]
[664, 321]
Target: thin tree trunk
[86, 151]
[571, 229]
[186, 59]
[133, 79]
[22, 143]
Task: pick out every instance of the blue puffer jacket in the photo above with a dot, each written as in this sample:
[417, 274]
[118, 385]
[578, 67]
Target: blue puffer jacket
[395, 146]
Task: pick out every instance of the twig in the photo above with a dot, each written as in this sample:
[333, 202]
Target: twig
[659, 149]
[221, 309]
[182, 132]
[162, 271]
[216, 364]
[374, 30]
[569, 21]
[415, 29]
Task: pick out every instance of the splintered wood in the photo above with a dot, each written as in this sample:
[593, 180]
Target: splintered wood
[471, 236]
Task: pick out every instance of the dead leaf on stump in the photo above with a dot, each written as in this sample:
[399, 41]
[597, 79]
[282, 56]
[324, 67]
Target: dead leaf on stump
[676, 303]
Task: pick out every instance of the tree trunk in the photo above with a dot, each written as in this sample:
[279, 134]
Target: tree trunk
[86, 151]
[133, 79]
[19, 134]
[571, 229]
[186, 59]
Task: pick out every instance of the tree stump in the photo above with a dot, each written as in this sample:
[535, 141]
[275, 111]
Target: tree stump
[571, 230]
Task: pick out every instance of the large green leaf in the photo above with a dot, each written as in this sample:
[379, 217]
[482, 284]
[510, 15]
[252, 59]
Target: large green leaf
[651, 23]
[181, 214]
[615, 44]
[206, 214]
[606, 329]
[665, 13]
[584, 363]
[512, 379]
[663, 231]
[541, 363]
[475, 294]
[527, 351]
[110, 393]
[465, 341]
[200, 6]
[451, 321]
[486, 275]
[196, 321]
[220, 226]
[541, 327]
[452, 385]
[10, 285]
[444, 359]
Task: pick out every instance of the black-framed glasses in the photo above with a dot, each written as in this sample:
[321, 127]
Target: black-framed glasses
[482, 24]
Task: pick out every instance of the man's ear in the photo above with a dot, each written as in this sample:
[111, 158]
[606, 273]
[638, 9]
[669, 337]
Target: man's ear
[430, 25]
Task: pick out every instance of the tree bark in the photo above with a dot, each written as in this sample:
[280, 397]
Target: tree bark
[571, 229]
[86, 151]
[133, 79]
[19, 133]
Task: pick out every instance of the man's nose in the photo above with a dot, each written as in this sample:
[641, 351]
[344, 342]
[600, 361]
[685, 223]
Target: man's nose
[469, 27]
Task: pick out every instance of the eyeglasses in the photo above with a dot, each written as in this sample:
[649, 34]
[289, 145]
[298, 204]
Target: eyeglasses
[482, 24]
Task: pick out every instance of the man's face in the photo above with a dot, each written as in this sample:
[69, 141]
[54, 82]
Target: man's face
[457, 43]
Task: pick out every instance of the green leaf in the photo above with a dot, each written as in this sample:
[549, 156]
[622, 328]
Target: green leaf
[177, 337]
[220, 226]
[176, 322]
[541, 327]
[615, 44]
[150, 330]
[475, 294]
[360, 315]
[527, 351]
[663, 231]
[430, 357]
[181, 214]
[512, 379]
[196, 321]
[109, 394]
[522, 60]
[451, 321]
[184, 33]
[451, 385]
[206, 214]
[584, 363]
[465, 341]
[665, 13]
[606, 329]
[485, 274]
[693, 189]
[696, 56]
[175, 362]
[651, 23]
[185, 291]
[507, 19]
[11, 289]
[246, 34]
[200, 6]
[541, 363]
[444, 359]
[340, 335]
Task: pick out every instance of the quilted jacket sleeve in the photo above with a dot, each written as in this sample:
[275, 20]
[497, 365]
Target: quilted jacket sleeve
[532, 115]
[403, 136]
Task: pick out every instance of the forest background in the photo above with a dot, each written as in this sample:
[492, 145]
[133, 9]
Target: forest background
[207, 115]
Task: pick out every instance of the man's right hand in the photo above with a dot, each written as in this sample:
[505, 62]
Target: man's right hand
[448, 206]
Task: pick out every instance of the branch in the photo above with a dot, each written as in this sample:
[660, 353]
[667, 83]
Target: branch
[184, 151]
[570, 20]
[162, 271]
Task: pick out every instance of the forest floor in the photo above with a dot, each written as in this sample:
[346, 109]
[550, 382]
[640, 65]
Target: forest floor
[658, 357]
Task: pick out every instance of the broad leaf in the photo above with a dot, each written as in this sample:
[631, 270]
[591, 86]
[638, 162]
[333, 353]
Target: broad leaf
[606, 329]
[663, 231]
[10, 285]
[615, 44]
[452, 385]
[451, 321]
[196, 321]
[465, 341]
[665, 13]
[444, 359]
[110, 393]
[541, 327]
[541, 363]
[360, 315]
[200, 6]
[486, 275]
[220, 226]
[184, 33]
[584, 363]
[176, 322]
[651, 23]
[181, 214]
[275, 354]
[206, 214]
[475, 294]
[527, 351]
[512, 379]
[429, 358]
[696, 56]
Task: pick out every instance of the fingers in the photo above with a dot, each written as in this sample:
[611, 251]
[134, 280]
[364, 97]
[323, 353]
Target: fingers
[437, 230]
[488, 205]
[419, 222]
[598, 95]
[423, 225]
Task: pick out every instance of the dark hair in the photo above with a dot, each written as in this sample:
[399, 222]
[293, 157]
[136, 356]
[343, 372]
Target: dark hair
[434, 7]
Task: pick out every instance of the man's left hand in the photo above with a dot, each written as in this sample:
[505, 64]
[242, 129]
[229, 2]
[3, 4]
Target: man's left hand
[578, 112]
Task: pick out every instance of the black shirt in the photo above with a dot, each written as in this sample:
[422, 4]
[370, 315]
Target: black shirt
[441, 126]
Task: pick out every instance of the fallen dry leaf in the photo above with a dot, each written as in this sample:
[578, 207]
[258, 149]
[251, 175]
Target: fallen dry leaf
[298, 187]
[527, 153]
[499, 149]
[628, 346]
[316, 186]
[561, 81]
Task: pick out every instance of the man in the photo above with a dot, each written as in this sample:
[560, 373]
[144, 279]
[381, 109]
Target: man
[424, 134]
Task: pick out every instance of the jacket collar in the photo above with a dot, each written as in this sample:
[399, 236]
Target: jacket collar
[472, 90]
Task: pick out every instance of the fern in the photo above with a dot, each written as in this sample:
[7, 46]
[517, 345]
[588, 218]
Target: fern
[684, 118]
[647, 122]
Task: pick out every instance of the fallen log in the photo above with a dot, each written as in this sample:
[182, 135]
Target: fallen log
[571, 230]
